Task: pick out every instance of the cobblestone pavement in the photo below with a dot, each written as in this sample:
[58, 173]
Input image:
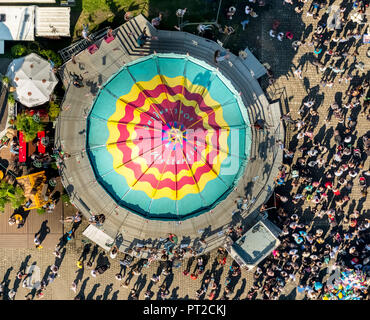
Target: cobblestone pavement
[291, 89]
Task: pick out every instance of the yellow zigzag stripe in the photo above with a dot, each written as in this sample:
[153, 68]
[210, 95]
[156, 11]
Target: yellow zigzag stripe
[118, 156]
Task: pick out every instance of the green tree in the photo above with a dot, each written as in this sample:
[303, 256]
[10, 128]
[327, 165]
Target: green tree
[28, 126]
[12, 194]
[53, 56]
[54, 110]
[18, 50]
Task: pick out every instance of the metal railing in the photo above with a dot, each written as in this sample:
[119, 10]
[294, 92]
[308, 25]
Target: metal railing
[82, 44]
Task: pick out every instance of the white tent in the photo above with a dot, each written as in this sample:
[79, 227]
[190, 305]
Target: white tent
[33, 78]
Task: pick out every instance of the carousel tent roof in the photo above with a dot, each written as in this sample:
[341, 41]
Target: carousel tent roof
[33, 79]
[168, 137]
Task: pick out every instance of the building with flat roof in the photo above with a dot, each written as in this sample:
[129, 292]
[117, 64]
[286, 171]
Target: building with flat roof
[52, 21]
[23, 23]
[17, 23]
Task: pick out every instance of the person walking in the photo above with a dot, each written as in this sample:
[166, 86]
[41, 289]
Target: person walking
[37, 242]
[157, 20]
[74, 287]
[11, 294]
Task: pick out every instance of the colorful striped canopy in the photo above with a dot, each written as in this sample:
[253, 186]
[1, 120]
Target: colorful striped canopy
[168, 137]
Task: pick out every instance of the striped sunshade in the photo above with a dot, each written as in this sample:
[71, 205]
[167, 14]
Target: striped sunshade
[168, 137]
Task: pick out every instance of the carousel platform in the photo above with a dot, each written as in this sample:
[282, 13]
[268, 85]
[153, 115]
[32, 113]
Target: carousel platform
[78, 178]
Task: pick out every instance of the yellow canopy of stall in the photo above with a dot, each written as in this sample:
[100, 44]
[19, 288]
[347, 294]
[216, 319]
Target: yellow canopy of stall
[34, 189]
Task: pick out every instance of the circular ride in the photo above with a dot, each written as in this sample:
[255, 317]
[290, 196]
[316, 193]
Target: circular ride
[168, 137]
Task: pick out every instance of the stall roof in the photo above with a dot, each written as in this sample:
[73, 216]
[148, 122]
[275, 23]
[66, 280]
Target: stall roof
[52, 21]
[256, 244]
[33, 186]
[17, 23]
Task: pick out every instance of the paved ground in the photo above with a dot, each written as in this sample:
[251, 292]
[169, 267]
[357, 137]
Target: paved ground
[293, 91]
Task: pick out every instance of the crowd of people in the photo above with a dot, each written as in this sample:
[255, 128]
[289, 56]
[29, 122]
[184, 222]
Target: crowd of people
[323, 228]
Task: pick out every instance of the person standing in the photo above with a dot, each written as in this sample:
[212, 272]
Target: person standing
[37, 242]
[85, 32]
[74, 287]
[11, 294]
[157, 20]
[220, 56]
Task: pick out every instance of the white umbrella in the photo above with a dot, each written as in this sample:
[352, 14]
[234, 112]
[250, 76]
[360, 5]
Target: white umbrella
[33, 78]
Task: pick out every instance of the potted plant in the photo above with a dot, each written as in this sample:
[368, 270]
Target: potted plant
[65, 198]
[11, 99]
[54, 110]
[41, 210]
[5, 81]
[28, 125]
[12, 194]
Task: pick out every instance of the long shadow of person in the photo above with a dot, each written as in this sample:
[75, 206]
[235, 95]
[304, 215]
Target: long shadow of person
[115, 295]
[90, 296]
[58, 261]
[24, 264]
[44, 230]
[174, 294]
[80, 274]
[6, 282]
[22, 268]
[168, 281]
[130, 275]
[240, 290]
[93, 255]
[85, 252]
[31, 294]
[63, 241]
[81, 293]
[102, 259]
[107, 291]
[122, 269]
[217, 274]
[150, 285]
[289, 296]
[190, 262]
[46, 275]
[139, 285]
